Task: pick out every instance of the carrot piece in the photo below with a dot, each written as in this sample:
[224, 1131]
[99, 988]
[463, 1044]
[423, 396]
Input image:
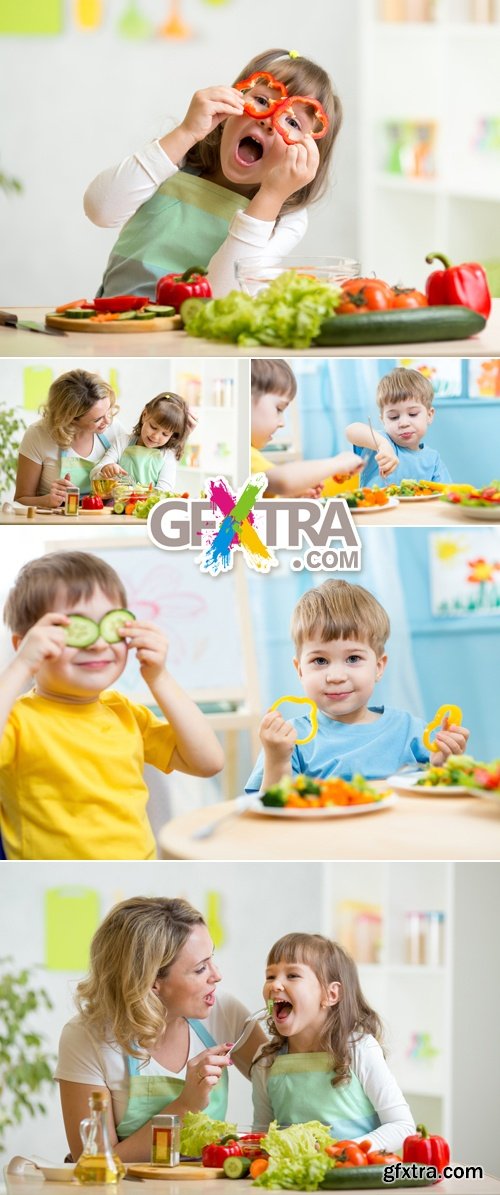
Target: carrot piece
[258, 1166]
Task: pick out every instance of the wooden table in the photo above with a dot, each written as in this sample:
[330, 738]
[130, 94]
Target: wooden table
[30, 1184]
[21, 343]
[415, 828]
[53, 519]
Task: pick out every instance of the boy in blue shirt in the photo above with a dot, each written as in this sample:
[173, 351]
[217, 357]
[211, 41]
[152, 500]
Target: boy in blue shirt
[404, 399]
[339, 631]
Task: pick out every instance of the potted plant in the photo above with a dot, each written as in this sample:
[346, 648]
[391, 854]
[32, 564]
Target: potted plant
[11, 428]
[25, 1065]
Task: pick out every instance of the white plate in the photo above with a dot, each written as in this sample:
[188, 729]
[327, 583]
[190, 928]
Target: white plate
[418, 497]
[488, 794]
[487, 514]
[407, 783]
[328, 811]
[58, 1174]
[370, 510]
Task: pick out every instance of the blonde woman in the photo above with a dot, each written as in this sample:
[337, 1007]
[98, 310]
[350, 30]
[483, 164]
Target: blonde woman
[148, 1026]
[69, 439]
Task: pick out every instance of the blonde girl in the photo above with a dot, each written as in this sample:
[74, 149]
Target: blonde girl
[221, 186]
[148, 1023]
[324, 1060]
[157, 442]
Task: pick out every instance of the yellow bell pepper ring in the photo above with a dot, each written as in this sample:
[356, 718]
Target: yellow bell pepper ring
[452, 713]
[300, 701]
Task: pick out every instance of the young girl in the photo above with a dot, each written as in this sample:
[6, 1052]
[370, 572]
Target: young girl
[324, 1061]
[157, 442]
[222, 186]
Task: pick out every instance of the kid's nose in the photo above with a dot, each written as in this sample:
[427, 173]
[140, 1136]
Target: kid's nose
[265, 122]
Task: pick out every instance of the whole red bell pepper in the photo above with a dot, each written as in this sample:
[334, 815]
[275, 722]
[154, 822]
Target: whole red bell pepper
[172, 289]
[92, 502]
[426, 1150]
[465, 285]
[215, 1155]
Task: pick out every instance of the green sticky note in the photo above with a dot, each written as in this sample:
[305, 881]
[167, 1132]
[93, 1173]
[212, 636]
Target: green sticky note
[31, 16]
[71, 919]
[36, 382]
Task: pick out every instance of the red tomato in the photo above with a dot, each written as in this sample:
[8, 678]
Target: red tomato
[406, 297]
[382, 1157]
[347, 1153]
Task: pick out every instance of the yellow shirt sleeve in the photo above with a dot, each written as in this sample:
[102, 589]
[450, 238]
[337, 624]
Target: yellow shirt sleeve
[258, 462]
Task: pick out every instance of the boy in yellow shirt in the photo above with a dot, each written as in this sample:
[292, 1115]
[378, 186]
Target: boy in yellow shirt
[274, 387]
[72, 749]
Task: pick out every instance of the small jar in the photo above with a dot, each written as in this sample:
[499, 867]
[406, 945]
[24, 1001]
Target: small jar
[165, 1140]
[415, 938]
[434, 953]
[72, 500]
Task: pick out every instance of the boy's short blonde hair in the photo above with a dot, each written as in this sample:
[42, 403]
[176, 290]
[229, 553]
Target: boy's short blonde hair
[39, 584]
[339, 610]
[404, 383]
[272, 377]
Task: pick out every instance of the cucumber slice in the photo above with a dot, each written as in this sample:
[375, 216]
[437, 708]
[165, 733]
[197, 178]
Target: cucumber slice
[81, 632]
[236, 1167]
[77, 313]
[111, 623]
[158, 310]
[144, 314]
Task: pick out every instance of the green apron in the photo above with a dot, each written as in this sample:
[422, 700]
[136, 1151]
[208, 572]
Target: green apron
[181, 225]
[150, 1094]
[144, 465]
[300, 1089]
[78, 467]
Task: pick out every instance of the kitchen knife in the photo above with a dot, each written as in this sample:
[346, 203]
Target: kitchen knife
[10, 320]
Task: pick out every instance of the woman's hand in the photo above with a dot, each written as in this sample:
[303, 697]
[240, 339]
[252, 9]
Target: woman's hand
[202, 1074]
[208, 108]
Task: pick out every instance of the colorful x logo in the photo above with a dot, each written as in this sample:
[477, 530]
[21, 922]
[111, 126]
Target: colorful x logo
[236, 529]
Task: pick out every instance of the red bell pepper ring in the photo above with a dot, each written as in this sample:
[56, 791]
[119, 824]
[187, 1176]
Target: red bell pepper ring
[262, 79]
[288, 111]
[465, 285]
[426, 1150]
[173, 289]
[117, 303]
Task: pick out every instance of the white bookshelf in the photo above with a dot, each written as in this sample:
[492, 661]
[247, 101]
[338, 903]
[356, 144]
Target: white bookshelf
[445, 1001]
[218, 391]
[443, 71]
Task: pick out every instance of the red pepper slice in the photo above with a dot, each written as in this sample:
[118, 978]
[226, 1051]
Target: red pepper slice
[262, 80]
[303, 109]
[117, 303]
[173, 289]
[465, 285]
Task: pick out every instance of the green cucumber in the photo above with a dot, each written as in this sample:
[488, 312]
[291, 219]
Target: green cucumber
[158, 310]
[111, 623]
[76, 313]
[143, 314]
[236, 1167]
[358, 1178]
[81, 632]
[403, 326]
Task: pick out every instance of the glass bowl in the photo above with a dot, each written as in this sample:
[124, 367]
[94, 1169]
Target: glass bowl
[253, 273]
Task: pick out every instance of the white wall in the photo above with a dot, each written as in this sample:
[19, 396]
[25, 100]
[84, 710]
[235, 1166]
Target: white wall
[258, 906]
[82, 101]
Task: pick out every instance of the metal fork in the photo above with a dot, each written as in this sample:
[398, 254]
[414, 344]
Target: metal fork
[240, 805]
[254, 1016]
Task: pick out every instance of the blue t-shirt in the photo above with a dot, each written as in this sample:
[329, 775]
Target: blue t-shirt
[417, 463]
[375, 749]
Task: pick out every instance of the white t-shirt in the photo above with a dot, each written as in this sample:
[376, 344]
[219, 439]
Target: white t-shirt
[167, 474]
[117, 193]
[378, 1083]
[85, 1059]
[38, 445]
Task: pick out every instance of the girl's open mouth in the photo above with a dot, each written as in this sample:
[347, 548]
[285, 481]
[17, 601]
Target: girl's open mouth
[282, 1010]
[249, 151]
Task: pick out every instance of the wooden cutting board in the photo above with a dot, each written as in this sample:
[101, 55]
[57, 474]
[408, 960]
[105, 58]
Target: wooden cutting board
[162, 323]
[186, 1170]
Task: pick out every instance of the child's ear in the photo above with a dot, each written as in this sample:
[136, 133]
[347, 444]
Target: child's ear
[296, 664]
[381, 663]
[332, 995]
[431, 413]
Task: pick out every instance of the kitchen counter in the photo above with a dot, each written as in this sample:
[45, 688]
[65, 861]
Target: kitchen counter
[52, 518]
[31, 1184]
[21, 343]
[415, 828]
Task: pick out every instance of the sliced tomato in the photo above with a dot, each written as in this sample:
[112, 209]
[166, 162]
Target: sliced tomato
[121, 303]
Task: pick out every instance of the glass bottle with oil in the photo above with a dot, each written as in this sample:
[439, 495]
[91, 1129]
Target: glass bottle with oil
[97, 1163]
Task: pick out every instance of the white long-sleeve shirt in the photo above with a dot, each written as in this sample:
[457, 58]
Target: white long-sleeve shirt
[118, 192]
[378, 1082]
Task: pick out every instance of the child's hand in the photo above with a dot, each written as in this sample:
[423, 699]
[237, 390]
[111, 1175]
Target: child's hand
[315, 491]
[111, 470]
[44, 641]
[347, 464]
[296, 169]
[450, 740]
[208, 108]
[386, 459]
[150, 644]
[277, 738]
